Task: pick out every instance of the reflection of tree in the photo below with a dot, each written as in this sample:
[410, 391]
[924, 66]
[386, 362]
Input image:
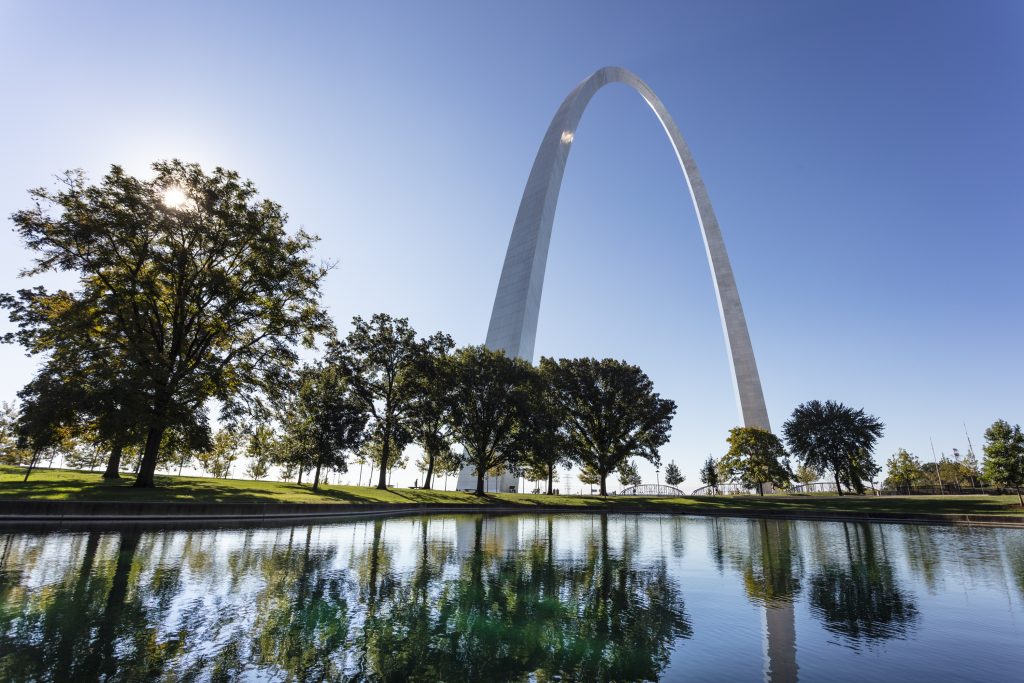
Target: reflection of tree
[302, 614]
[856, 594]
[214, 605]
[509, 615]
[771, 573]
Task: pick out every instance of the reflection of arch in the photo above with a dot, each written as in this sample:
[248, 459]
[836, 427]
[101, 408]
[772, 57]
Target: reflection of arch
[517, 304]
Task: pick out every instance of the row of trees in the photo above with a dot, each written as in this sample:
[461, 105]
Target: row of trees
[825, 437]
[832, 438]
[190, 291]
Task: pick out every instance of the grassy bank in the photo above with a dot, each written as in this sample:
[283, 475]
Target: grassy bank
[89, 486]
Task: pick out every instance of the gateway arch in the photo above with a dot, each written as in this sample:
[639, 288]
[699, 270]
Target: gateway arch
[513, 326]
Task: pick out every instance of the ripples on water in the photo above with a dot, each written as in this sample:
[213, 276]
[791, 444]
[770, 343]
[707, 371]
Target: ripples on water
[529, 597]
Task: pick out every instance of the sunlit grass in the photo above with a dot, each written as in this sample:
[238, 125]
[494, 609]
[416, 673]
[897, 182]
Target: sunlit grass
[47, 484]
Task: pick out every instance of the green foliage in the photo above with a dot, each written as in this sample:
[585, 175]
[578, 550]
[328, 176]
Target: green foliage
[546, 448]
[806, 474]
[628, 474]
[831, 436]
[260, 452]
[490, 403]
[204, 299]
[430, 412]
[326, 421]
[611, 412]
[903, 469]
[10, 452]
[1004, 456]
[382, 360]
[755, 457]
[673, 477]
[222, 454]
[709, 474]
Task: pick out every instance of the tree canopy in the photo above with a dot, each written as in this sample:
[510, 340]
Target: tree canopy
[832, 436]
[611, 412]
[489, 406]
[1004, 455]
[206, 297]
[756, 457]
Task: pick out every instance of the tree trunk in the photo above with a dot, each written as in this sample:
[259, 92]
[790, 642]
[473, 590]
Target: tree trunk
[359, 479]
[604, 490]
[385, 457]
[369, 477]
[479, 482]
[1019, 496]
[114, 463]
[147, 466]
[316, 478]
[760, 489]
[31, 464]
[430, 470]
[551, 478]
[839, 488]
[299, 480]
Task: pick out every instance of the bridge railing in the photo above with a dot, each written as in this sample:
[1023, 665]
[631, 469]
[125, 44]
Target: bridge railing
[651, 490]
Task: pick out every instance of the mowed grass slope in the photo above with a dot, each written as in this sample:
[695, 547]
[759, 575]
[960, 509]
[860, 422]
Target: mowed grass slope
[46, 484]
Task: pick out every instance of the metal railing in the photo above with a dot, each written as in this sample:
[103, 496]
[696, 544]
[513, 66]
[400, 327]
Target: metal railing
[651, 490]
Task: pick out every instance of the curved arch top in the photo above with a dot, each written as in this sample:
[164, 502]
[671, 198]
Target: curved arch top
[513, 326]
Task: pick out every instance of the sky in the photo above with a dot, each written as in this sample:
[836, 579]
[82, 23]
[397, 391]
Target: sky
[864, 159]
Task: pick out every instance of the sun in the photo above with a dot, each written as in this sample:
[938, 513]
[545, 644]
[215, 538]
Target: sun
[174, 197]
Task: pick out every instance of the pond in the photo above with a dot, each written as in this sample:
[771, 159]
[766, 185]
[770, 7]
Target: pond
[585, 597]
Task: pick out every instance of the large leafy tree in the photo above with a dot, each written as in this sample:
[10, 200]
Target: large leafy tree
[429, 414]
[189, 280]
[1004, 456]
[328, 420]
[224, 451]
[611, 412]
[382, 360]
[545, 444]
[832, 436]
[756, 457]
[490, 401]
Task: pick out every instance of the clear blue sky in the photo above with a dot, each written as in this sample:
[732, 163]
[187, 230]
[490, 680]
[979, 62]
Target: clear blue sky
[864, 159]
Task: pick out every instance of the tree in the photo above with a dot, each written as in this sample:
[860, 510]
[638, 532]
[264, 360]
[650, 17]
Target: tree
[628, 474]
[1004, 456]
[832, 436]
[430, 411]
[611, 412]
[589, 476]
[223, 452]
[546, 449]
[756, 457]
[805, 474]
[188, 280]
[490, 399]
[709, 474]
[381, 360]
[903, 469]
[327, 420]
[260, 452]
[673, 477]
[10, 453]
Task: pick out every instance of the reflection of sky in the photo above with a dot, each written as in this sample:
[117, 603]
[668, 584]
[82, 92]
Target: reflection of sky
[965, 598]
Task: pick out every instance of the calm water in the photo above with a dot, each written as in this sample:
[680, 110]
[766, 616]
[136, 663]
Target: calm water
[531, 597]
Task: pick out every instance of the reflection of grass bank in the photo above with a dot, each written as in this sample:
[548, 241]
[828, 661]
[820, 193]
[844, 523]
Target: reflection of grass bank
[88, 486]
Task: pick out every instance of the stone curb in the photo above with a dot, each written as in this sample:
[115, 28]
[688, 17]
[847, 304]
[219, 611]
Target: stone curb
[75, 513]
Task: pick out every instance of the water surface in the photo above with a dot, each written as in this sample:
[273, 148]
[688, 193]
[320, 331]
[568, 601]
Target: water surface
[526, 597]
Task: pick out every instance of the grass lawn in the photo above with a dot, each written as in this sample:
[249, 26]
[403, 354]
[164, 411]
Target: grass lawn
[45, 484]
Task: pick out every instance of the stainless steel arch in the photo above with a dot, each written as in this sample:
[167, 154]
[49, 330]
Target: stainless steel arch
[513, 326]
